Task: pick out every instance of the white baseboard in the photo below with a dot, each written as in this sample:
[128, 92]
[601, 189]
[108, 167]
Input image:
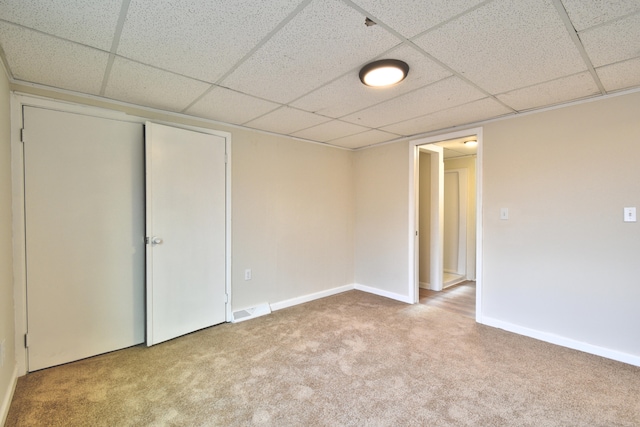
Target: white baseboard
[425, 285]
[382, 293]
[563, 341]
[8, 395]
[310, 297]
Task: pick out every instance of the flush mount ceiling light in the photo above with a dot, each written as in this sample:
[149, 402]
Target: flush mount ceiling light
[471, 143]
[385, 72]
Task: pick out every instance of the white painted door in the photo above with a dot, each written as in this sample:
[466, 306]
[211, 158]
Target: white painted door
[84, 208]
[451, 221]
[455, 221]
[185, 183]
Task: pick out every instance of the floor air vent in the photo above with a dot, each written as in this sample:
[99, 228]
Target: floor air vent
[251, 313]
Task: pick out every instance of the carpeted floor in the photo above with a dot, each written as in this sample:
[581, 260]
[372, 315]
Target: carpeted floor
[353, 359]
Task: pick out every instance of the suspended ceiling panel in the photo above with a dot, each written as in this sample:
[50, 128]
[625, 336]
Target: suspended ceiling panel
[201, 39]
[621, 75]
[145, 85]
[410, 18]
[52, 61]
[613, 42]
[482, 109]
[444, 94]
[230, 106]
[586, 14]
[287, 120]
[554, 92]
[506, 45]
[329, 131]
[347, 95]
[291, 66]
[324, 41]
[92, 23]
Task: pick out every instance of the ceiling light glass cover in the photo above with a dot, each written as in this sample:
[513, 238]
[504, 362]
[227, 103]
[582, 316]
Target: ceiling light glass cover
[385, 72]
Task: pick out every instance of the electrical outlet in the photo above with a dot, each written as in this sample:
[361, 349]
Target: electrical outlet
[247, 274]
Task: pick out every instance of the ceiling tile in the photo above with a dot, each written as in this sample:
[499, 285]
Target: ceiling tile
[200, 39]
[586, 14]
[613, 42]
[229, 106]
[330, 130]
[364, 139]
[621, 75]
[286, 120]
[472, 112]
[144, 85]
[412, 17]
[506, 45]
[348, 94]
[554, 92]
[52, 61]
[92, 23]
[324, 41]
[437, 96]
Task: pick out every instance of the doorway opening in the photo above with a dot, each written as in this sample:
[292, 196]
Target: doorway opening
[445, 209]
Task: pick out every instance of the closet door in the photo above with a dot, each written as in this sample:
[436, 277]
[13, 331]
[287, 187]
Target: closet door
[84, 209]
[186, 231]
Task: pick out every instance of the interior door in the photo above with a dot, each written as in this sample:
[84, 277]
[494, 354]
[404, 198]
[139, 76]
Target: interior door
[451, 221]
[84, 213]
[185, 192]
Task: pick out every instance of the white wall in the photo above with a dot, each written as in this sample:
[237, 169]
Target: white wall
[565, 263]
[564, 267]
[382, 215]
[293, 210]
[7, 372]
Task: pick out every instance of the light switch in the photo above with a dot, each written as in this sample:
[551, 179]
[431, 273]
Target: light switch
[504, 213]
[630, 214]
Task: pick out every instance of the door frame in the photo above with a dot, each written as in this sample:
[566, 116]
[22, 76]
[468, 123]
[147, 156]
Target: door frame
[414, 150]
[18, 101]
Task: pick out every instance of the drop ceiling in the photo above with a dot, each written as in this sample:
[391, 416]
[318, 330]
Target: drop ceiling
[291, 67]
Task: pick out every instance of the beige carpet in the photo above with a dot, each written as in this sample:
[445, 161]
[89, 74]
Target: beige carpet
[353, 359]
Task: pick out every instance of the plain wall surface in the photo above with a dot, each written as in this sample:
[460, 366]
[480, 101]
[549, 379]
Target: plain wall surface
[564, 262]
[6, 250]
[382, 218]
[293, 210]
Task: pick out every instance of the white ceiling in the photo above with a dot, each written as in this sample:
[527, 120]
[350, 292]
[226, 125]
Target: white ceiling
[291, 66]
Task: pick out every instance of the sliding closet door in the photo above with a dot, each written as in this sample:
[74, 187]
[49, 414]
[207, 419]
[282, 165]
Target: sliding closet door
[185, 183]
[84, 207]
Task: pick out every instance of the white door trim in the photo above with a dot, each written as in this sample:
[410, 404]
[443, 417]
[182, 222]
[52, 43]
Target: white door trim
[18, 199]
[413, 285]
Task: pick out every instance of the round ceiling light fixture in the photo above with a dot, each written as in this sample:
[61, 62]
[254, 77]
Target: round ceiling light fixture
[385, 72]
[471, 142]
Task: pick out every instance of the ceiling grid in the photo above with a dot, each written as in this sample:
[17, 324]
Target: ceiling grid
[291, 66]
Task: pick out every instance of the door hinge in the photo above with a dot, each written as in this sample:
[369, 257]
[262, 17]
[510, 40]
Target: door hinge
[26, 340]
[226, 298]
[22, 135]
[226, 158]
[147, 240]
